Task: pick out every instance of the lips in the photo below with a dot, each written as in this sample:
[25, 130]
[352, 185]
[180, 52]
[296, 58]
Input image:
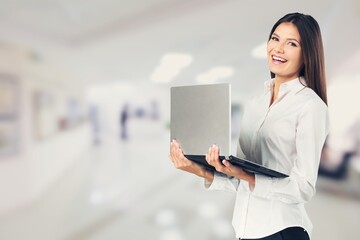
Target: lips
[278, 60]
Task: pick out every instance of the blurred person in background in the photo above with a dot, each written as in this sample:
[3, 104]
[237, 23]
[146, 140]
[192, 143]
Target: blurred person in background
[284, 129]
[335, 163]
[95, 123]
[124, 118]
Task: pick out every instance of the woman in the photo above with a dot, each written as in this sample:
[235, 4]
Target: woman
[284, 129]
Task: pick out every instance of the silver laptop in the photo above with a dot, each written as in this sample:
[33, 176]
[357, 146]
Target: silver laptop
[200, 117]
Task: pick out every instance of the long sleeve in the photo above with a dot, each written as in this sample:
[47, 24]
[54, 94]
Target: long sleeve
[311, 131]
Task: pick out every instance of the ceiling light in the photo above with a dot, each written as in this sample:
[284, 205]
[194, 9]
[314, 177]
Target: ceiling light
[214, 74]
[260, 51]
[170, 66]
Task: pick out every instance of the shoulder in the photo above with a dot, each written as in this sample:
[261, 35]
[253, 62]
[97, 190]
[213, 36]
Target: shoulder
[313, 109]
[313, 112]
[311, 99]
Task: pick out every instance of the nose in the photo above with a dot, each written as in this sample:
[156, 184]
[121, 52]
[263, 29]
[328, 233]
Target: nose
[279, 48]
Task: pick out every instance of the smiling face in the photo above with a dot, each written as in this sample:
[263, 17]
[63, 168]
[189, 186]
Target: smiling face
[284, 52]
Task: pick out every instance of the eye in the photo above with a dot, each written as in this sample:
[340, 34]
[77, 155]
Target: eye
[292, 44]
[273, 38]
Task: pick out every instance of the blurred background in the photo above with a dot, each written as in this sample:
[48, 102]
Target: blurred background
[84, 114]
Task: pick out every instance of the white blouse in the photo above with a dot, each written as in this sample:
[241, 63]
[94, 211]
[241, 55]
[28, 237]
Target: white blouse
[288, 137]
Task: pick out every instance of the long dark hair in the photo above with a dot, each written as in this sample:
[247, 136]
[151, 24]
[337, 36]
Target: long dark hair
[312, 51]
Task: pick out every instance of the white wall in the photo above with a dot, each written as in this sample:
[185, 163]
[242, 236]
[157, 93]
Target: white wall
[39, 162]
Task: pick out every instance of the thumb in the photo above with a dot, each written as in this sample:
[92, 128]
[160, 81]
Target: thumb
[217, 149]
[226, 163]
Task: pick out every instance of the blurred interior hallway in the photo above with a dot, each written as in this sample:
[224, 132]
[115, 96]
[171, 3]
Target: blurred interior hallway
[129, 190]
[65, 175]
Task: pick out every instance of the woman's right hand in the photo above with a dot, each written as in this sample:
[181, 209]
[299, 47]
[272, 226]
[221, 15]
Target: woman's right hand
[182, 163]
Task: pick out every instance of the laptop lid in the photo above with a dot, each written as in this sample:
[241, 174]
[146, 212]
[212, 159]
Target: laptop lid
[200, 117]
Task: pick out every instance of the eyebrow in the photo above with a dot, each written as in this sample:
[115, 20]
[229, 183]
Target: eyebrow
[291, 39]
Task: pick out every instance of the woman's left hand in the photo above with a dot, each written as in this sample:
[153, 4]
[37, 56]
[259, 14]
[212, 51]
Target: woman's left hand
[224, 166]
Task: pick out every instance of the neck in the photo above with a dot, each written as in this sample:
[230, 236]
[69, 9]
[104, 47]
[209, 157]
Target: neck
[277, 82]
[282, 79]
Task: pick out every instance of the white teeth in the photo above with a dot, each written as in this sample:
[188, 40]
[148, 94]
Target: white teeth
[279, 59]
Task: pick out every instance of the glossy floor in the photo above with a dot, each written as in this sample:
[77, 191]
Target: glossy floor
[129, 190]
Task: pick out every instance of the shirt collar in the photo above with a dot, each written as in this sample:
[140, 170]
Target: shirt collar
[293, 85]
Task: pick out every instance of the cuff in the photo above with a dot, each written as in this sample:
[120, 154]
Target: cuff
[218, 183]
[262, 185]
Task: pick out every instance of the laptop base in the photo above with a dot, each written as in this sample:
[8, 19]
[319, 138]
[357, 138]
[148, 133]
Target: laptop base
[245, 164]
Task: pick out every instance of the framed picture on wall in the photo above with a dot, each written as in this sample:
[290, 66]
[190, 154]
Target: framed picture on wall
[8, 97]
[9, 135]
[9, 141]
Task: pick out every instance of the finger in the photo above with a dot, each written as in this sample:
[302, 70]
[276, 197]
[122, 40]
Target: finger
[217, 152]
[208, 156]
[180, 159]
[215, 156]
[172, 150]
[212, 156]
[175, 149]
